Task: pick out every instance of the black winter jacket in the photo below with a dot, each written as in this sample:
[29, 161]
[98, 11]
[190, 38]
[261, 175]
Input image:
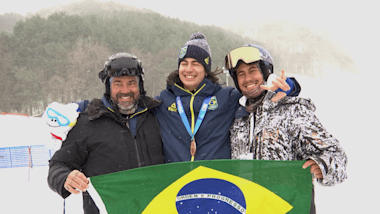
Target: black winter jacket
[101, 143]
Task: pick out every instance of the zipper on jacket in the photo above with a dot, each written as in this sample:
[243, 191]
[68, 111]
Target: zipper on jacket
[192, 112]
[135, 143]
[252, 137]
[137, 152]
[134, 137]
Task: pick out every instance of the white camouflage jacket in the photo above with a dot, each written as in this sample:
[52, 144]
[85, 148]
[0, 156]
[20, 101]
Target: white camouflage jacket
[287, 130]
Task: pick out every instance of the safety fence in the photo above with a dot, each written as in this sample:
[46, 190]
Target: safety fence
[25, 156]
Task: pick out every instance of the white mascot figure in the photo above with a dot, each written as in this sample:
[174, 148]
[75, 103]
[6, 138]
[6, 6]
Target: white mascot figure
[60, 119]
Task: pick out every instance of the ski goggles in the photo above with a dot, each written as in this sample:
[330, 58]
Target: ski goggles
[124, 72]
[121, 67]
[247, 54]
[124, 67]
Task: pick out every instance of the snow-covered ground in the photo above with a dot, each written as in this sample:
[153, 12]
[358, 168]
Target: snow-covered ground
[345, 106]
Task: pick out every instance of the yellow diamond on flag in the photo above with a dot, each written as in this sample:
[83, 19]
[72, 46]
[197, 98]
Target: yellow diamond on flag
[207, 190]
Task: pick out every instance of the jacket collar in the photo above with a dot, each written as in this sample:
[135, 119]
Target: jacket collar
[243, 100]
[268, 104]
[205, 88]
[103, 107]
[106, 103]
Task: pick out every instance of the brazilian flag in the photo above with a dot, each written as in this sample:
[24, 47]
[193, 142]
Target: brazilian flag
[217, 186]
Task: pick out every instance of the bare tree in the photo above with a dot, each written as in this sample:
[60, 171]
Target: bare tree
[85, 62]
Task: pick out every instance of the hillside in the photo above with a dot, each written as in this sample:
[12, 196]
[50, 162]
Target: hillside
[58, 58]
[56, 54]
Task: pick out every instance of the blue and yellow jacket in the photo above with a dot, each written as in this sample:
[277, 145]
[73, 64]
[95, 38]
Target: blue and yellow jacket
[212, 138]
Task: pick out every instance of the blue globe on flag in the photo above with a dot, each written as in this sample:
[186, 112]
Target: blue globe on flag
[210, 196]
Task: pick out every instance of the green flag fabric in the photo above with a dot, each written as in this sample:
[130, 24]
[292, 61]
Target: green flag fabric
[217, 186]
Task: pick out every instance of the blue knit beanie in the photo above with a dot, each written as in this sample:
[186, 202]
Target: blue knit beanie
[197, 48]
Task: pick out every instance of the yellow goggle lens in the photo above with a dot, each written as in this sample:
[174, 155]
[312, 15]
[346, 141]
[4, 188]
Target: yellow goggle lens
[247, 54]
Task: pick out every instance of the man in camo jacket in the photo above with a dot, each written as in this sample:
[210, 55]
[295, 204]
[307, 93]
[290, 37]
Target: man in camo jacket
[284, 130]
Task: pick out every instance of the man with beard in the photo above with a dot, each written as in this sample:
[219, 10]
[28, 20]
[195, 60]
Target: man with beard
[285, 130]
[117, 132]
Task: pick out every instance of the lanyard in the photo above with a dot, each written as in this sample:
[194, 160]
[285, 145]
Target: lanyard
[201, 115]
[193, 130]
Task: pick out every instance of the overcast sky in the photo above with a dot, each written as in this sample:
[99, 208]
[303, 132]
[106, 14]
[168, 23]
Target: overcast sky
[353, 25]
